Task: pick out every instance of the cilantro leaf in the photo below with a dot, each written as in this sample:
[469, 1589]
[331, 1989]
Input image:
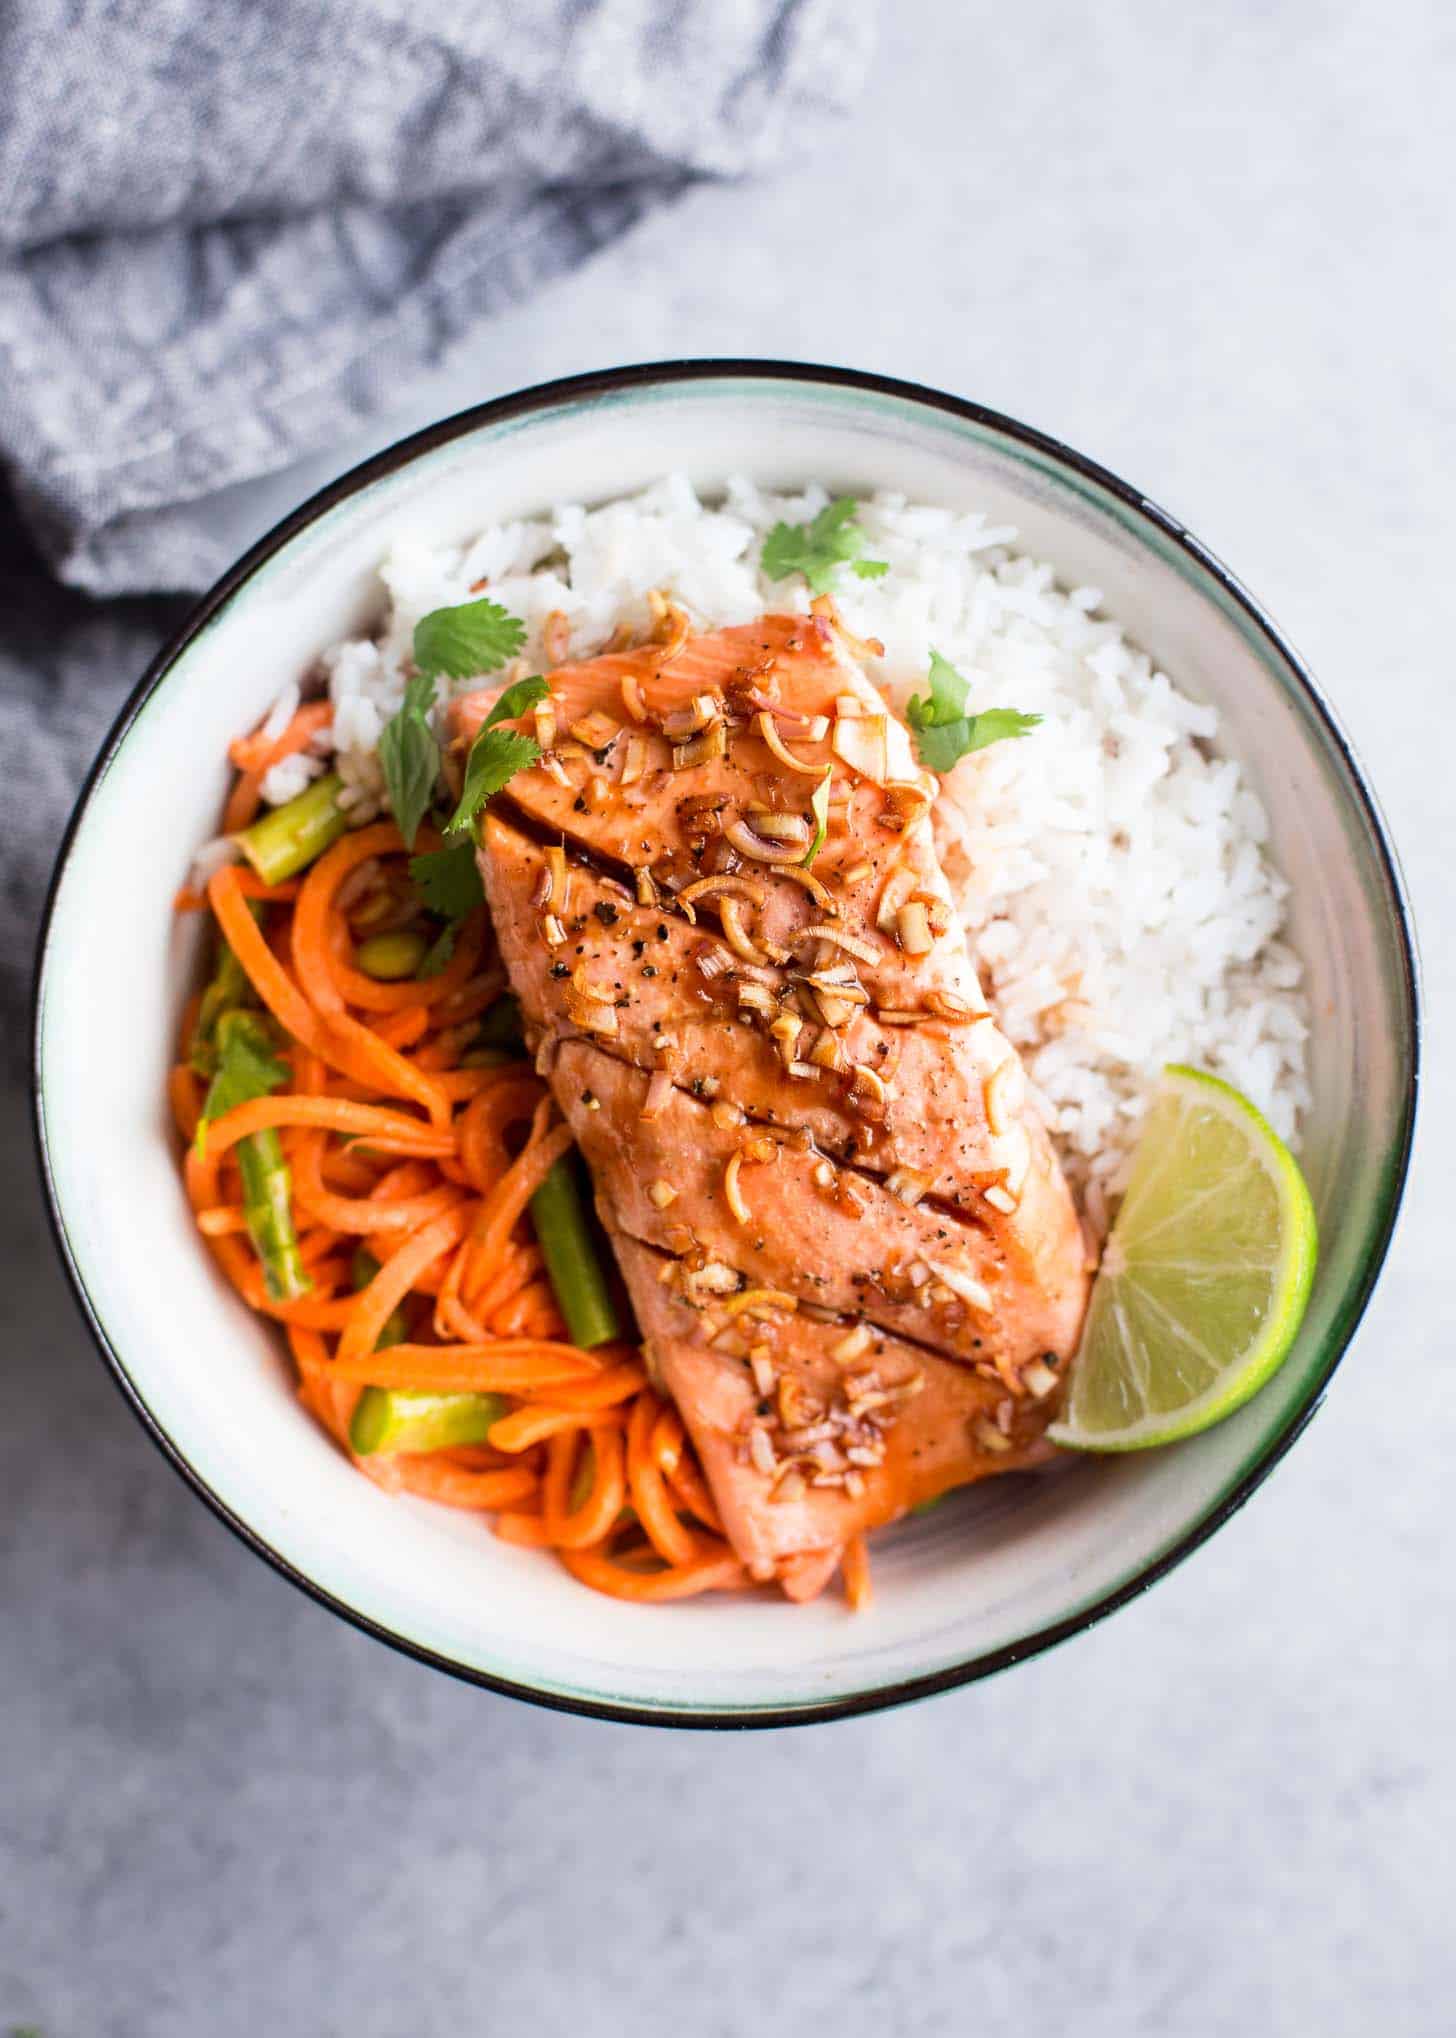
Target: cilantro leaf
[514, 701]
[473, 637]
[495, 757]
[409, 756]
[819, 548]
[870, 569]
[497, 754]
[449, 883]
[247, 1067]
[448, 880]
[946, 699]
[944, 732]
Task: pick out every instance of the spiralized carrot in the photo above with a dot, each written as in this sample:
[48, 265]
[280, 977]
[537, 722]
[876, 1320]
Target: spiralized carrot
[594, 1518]
[711, 1571]
[367, 1214]
[457, 1487]
[500, 1366]
[395, 1139]
[259, 753]
[525, 1427]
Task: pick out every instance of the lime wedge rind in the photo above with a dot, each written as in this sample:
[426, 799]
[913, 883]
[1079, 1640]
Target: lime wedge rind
[1115, 1368]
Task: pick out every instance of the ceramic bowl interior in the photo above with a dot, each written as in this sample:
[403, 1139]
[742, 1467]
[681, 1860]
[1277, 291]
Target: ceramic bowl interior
[992, 1575]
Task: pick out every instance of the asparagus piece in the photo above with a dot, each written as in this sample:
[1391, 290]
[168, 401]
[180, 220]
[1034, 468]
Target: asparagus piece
[391, 957]
[266, 1176]
[362, 1269]
[285, 841]
[226, 990]
[268, 1208]
[564, 1231]
[389, 1419]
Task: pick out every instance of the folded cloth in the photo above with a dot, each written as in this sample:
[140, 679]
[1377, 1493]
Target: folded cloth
[228, 232]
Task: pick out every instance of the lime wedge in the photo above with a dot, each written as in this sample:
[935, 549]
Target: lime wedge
[1204, 1277]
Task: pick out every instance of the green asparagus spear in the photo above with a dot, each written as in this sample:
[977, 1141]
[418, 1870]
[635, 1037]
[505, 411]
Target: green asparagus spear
[268, 1208]
[393, 956]
[289, 838]
[245, 1066]
[564, 1231]
[388, 1419]
[396, 1324]
[225, 990]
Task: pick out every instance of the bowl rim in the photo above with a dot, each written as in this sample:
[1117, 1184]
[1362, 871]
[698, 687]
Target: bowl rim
[545, 396]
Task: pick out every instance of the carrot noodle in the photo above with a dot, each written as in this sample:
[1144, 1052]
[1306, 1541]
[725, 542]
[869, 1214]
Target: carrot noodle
[259, 753]
[499, 1366]
[691, 1488]
[674, 1543]
[403, 1028]
[592, 1521]
[254, 887]
[712, 1571]
[529, 1530]
[398, 1144]
[525, 1427]
[519, 1184]
[225, 1218]
[456, 1487]
[618, 1383]
[243, 802]
[184, 1093]
[666, 1442]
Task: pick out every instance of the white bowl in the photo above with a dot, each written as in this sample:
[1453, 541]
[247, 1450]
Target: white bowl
[991, 1577]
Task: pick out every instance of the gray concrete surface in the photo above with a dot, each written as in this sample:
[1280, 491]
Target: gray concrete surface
[1212, 246]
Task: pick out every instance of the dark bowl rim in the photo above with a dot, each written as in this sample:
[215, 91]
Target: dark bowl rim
[608, 382]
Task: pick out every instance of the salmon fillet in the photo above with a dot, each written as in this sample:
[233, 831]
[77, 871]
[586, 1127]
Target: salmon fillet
[898, 1424]
[719, 900]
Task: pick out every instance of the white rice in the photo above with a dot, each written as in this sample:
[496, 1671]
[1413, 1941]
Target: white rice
[1110, 867]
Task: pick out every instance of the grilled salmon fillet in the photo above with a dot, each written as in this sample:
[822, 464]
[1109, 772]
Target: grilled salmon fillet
[719, 900]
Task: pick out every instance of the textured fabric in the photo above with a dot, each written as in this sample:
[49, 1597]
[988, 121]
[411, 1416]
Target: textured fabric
[226, 231]
[231, 229]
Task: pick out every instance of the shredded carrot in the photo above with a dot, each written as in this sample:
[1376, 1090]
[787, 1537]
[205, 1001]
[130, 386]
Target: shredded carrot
[674, 1543]
[394, 1138]
[184, 1093]
[525, 1427]
[593, 1520]
[500, 1366]
[259, 753]
[457, 1487]
[711, 1571]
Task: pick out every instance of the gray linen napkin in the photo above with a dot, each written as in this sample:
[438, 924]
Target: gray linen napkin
[231, 230]
[228, 230]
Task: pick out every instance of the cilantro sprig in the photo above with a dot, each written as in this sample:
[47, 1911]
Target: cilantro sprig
[470, 639]
[409, 756]
[497, 754]
[820, 547]
[944, 732]
[449, 883]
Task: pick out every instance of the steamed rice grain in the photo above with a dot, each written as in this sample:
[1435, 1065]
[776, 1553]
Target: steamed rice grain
[1111, 868]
